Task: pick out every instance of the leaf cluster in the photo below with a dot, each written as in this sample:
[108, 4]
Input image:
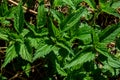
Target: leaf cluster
[66, 35]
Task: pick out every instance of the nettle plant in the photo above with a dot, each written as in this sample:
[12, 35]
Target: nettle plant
[66, 33]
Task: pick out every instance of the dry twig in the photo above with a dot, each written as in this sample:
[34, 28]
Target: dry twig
[30, 10]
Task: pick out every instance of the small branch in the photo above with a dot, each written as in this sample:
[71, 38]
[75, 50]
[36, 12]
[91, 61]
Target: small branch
[17, 75]
[30, 10]
[3, 47]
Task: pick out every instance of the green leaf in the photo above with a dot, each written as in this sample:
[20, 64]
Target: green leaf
[91, 3]
[86, 38]
[42, 51]
[53, 30]
[41, 17]
[80, 59]
[15, 37]
[116, 5]
[111, 11]
[104, 3]
[3, 36]
[66, 46]
[109, 33]
[3, 8]
[72, 19]
[19, 18]
[4, 33]
[60, 70]
[83, 32]
[88, 78]
[24, 53]
[95, 38]
[107, 67]
[57, 15]
[114, 62]
[4, 22]
[27, 69]
[57, 2]
[34, 42]
[2, 77]
[102, 49]
[70, 3]
[24, 32]
[76, 2]
[10, 54]
[33, 29]
[84, 29]
[106, 7]
[118, 43]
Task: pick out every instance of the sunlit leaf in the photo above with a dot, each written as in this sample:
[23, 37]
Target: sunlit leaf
[80, 59]
[72, 20]
[115, 63]
[86, 38]
[33, 29]
[95, 38]
[3, 36]
[76, 2]
[34, 42]
[57, 2]
[27, 69]
[91, 3]
[57, 15]
[109, 33]
[10, 55]
[107, 67]
[66, 36]
[3, 8]
[116, 5]
[111, 11]
[70, 3]
[53, 30]
[24, 53]
[112, 61]
[65, 46]
[102, 49]
[84, 29]
[106, 7]
[19, 18]
[43, 51]
[24, 32]
[83, 33]
[41, 18]
[60, 70]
